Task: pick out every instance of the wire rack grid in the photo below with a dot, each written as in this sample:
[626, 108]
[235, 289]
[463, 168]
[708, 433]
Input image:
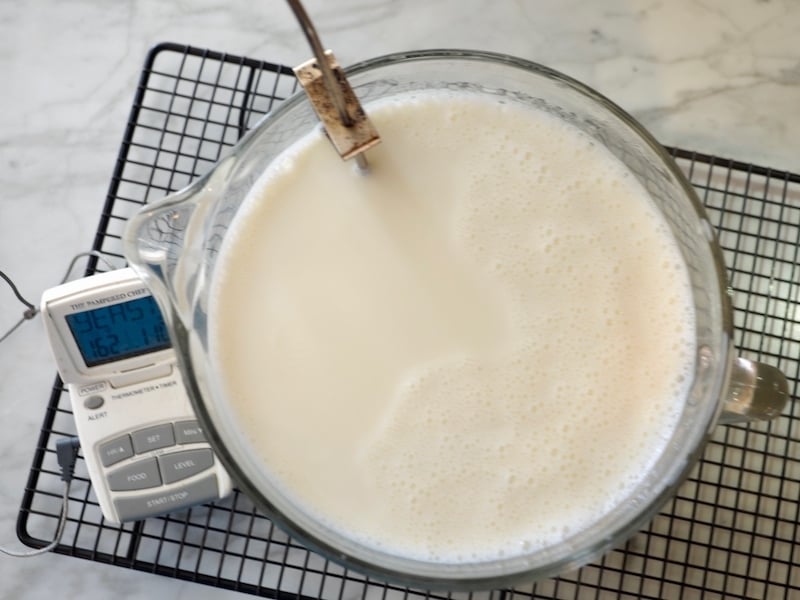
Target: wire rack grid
[730, 531]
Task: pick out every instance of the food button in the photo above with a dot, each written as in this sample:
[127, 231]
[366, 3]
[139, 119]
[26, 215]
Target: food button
[140, 475]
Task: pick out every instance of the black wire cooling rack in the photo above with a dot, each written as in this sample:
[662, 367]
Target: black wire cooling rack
[730, 531]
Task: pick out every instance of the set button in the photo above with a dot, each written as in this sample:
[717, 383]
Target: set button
[153, 438]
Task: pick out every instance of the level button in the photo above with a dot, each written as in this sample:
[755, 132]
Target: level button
[180, 465]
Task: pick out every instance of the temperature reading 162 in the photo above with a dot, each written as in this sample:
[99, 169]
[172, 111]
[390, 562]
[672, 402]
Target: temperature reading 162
[118, 331]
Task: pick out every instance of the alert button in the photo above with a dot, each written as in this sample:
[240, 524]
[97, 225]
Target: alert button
[93, 402]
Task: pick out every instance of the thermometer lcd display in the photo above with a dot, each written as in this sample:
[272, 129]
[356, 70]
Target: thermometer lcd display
[119, 331]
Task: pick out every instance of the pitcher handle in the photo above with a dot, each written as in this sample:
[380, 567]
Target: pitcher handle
[757, 392]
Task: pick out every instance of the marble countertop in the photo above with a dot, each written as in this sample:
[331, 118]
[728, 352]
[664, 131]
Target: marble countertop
[714, 76]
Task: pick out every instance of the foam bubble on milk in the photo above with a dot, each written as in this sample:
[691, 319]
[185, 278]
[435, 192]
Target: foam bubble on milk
[475, 351]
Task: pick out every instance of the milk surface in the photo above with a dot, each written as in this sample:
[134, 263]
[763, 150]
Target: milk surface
[470, 353]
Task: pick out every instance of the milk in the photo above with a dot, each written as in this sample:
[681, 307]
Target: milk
[472, 352]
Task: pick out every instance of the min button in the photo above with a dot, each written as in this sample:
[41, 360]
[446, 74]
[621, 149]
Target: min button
[189, 432]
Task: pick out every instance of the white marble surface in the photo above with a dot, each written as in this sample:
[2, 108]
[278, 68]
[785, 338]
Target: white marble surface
[715, 76]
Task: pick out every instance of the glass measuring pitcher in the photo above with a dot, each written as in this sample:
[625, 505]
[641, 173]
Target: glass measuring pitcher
[175, 244]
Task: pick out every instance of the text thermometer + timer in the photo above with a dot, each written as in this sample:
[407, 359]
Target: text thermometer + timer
[144, 448]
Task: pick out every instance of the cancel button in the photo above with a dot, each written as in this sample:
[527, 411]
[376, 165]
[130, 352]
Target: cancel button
[180, 465]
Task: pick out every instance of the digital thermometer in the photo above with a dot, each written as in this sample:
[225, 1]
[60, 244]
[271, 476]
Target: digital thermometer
[144, 448]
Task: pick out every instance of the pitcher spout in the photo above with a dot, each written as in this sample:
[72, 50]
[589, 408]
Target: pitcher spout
[167, 242]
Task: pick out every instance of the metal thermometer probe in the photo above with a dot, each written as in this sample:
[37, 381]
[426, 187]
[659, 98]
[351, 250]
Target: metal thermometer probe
[347, 125]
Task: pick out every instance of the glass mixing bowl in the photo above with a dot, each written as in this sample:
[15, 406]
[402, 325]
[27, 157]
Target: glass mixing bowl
[174, 245]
